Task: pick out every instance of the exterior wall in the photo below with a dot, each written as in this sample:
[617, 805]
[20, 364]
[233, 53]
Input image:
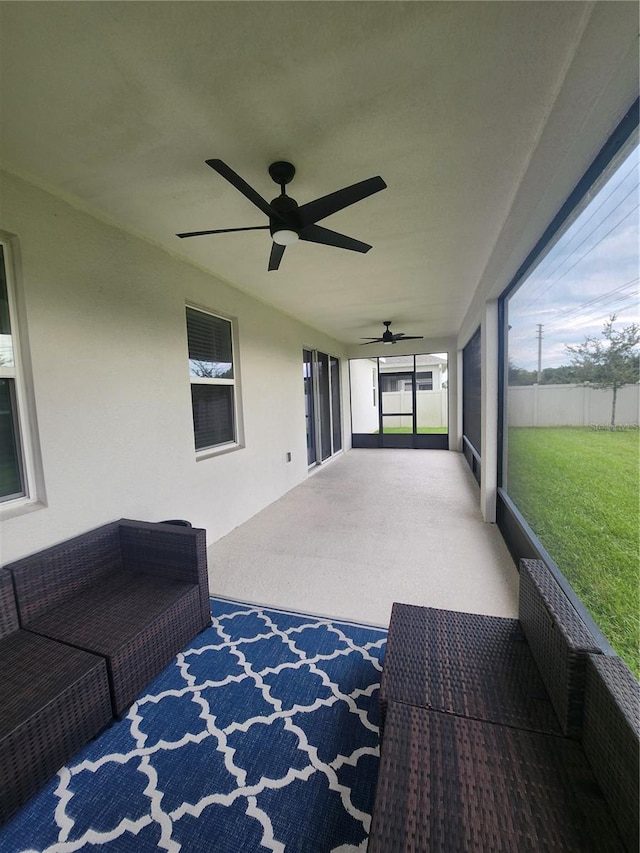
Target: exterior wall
[571, 405]
[107, 339]
[436, 369]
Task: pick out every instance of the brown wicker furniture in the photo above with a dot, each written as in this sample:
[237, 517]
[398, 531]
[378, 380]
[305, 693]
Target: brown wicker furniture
[133, 592]
[472, 758]
[526, 672]
[53, 700]
[611, 740]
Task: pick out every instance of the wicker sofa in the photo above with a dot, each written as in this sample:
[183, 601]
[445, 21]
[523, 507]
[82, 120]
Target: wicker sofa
[504, 735]
[54, 699]
[132, 592]
[84, 626]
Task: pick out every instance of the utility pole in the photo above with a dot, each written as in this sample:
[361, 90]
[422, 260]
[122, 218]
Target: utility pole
[539, 379]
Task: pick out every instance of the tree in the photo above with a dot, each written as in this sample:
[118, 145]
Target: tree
[566, 374]
[610, 361]
[520, 376]
[210, 369]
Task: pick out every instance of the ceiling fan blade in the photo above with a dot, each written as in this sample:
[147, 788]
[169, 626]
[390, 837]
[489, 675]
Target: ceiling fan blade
[374, 341]
[401, 337]
[277, 251]
[316, 234]
[223, 231]
[243, 187]
[316, 210]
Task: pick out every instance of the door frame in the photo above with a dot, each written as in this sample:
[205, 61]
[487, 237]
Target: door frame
[414, 440]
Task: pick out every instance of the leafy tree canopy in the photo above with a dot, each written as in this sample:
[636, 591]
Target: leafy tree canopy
[610, 361]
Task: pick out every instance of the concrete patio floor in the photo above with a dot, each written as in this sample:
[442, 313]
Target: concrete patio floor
[369, 528]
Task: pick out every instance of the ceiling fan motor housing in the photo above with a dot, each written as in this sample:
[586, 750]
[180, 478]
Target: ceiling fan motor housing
[286, 207]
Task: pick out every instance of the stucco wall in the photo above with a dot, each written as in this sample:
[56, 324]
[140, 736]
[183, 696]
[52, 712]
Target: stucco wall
[106, 325]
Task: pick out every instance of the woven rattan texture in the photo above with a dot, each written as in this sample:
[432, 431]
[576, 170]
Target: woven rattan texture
[8, 611]
[559, 641]
[131, 591]
[140, 660]
[449, 784]
[162, 550]
[138, 629]
[47, 579]
[54, 699]
[466, 664]
[611, 739]
[113, 611]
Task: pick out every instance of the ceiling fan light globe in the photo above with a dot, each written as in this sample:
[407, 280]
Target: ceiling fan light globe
[285, 237]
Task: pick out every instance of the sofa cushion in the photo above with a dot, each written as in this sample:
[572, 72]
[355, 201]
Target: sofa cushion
[464, 664]
[111, 612]
[34, 670]
[450, 784]
[138, 622]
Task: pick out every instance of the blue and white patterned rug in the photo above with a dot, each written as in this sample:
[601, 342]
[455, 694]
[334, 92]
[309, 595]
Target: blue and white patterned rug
[262, 735]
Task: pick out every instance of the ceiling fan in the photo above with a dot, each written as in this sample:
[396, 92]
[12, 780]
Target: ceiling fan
[389, 337]
[288, 222]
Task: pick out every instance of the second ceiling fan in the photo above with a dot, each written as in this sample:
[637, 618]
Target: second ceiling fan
[289, 222]
[389, 337]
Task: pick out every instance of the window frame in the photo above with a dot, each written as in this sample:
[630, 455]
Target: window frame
[238, 434]
[31, 495]
[332, 431]
[521, 540]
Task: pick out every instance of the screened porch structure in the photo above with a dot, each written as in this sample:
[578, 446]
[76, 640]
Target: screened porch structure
[149, 377]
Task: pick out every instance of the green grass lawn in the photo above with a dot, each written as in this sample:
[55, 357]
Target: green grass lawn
[579, 490]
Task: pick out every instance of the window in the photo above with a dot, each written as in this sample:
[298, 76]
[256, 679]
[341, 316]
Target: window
[571, 327]
[11, 466]
[213, 379]
[424, 380]
[390, 384]
[16, 471]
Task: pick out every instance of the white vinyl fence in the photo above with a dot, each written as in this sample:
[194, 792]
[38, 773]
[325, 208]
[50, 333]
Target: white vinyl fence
[572, 405]
[431, 408]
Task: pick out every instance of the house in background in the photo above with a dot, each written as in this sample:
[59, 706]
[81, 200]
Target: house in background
[155, 377]
[385, 393]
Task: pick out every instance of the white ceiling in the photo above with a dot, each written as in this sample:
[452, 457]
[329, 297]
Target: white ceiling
[116, 106]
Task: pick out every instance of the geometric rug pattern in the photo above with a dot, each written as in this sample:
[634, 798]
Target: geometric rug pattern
[262, 735]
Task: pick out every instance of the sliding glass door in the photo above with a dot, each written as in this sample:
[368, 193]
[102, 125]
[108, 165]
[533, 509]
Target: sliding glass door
[309, 407]
[321, 374]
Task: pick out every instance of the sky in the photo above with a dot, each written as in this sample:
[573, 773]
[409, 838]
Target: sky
[591, 272]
